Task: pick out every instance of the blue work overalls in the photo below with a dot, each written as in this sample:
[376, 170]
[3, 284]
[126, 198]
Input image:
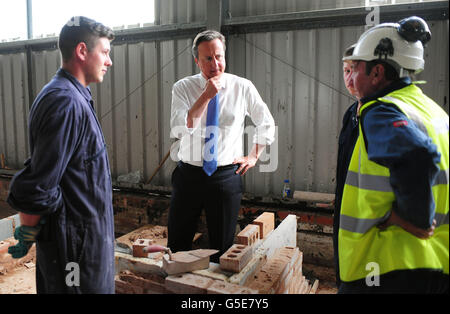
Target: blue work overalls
[67, 180]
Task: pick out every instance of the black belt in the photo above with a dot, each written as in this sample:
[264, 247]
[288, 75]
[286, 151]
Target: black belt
[226, 167]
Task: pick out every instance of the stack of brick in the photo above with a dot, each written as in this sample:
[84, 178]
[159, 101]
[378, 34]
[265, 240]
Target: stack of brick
[282, 274]
[279, 273]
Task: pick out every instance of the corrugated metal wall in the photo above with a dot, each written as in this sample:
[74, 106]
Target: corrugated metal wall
[13, 108]
[298, 73]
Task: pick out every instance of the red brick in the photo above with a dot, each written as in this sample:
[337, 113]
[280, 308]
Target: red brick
[249, 235]
[266, 223]
[236, 258]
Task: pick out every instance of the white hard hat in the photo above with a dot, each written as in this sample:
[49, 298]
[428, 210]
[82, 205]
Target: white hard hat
[399, 43]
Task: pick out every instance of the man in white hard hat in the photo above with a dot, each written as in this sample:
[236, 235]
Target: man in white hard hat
[393, 226]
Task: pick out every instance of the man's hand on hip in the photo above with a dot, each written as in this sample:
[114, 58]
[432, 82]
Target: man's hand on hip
[245, 163]
[394, 219]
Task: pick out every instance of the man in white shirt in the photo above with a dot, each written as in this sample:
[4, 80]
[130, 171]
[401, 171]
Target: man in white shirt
[193, 186]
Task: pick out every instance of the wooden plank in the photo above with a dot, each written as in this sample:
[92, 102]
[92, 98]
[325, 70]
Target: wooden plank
[313, 196]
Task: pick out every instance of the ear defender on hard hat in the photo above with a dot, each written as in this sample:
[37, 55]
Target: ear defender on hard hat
[384, 48]
[400, 44]
[413, 29]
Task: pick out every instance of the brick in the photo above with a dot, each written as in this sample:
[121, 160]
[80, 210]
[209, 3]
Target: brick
[235, 258]
[145, 284]
[223, 287]
[123, 287]
[139, 245]
[188, 283]
[249, 235]
[266, 223]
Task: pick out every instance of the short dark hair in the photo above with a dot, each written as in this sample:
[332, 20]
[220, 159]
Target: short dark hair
[390, 73]
[81, 29]
[207, 35]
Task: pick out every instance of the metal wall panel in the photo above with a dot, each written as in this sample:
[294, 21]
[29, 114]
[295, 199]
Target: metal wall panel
[299, 75]
[13, 108]
[133, 105]
[297, 72]
[175, 11]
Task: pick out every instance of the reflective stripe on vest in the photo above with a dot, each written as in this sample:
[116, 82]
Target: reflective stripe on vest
[381, 183]
[357, 225]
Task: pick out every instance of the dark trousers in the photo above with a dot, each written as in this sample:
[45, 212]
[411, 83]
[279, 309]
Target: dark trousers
[192, 191]
[415, 281]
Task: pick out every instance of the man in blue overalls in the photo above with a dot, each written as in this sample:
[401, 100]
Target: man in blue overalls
[64, 193]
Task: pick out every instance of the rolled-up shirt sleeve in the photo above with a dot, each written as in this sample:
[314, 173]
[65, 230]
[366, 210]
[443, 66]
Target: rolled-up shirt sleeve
[260, 116]
[179, 112]
[54, 130]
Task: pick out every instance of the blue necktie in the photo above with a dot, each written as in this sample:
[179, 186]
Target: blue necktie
[211, 136]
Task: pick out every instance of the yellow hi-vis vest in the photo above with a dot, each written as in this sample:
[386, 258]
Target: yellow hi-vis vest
[368, 198]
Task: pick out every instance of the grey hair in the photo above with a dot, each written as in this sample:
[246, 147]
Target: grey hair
[207, 35]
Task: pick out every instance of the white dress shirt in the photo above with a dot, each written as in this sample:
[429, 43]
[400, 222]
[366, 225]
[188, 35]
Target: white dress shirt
[237, 99]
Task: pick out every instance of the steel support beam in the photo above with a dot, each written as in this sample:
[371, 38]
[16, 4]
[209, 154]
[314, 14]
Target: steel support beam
[430, 11]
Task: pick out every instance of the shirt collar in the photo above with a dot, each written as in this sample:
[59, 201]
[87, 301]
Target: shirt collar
[84, 91]
[398, 84]
[202, 80]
